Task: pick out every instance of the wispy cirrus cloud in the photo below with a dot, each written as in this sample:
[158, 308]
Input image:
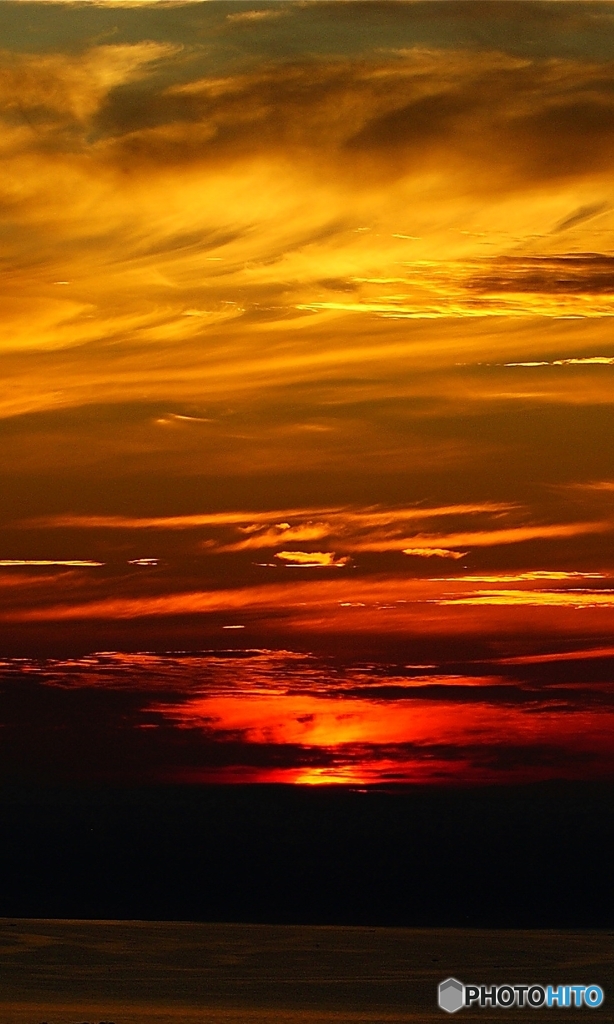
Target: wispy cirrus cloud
[59, 86]
[251, 521]
[566, 274]
[582, 214]
[488, 538]
[350, 530]
[347, 602]
[262, 14]
[583, 654]
[105, 114]
[593, 485]
[179, 522]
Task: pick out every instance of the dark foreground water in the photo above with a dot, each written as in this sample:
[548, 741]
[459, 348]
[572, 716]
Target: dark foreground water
[69, 972]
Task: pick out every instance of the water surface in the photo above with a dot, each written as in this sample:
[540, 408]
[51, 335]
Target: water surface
[69, 972]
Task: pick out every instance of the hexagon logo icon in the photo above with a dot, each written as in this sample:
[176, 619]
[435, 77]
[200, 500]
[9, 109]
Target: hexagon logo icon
[450, 995]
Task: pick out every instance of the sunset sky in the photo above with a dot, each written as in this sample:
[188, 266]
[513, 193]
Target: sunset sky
[307, 363]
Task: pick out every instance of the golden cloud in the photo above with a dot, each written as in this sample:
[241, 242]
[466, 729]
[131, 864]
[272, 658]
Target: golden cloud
[263, 14]
[59, 85]
[537, 598]
[170, 194]
[312, 559]
[434, 553]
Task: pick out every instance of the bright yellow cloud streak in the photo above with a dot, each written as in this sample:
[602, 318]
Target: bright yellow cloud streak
[311, 559]
[538, 598]
[522, 577]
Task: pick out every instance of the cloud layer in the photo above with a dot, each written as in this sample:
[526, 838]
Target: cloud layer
[305, 332]
[273, 716]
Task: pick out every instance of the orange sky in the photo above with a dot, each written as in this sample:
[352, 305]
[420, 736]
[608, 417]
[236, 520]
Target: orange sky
[306, 345]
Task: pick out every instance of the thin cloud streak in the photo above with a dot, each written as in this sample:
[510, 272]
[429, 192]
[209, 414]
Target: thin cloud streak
[582, 361]
[185, 522]
[272, 597]
[79, 563]
[434, 553]
[522, 577]
[533, 598]
[487, 538]
[371, 517]
[578, 655]
[359, 598]
[311, 559]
